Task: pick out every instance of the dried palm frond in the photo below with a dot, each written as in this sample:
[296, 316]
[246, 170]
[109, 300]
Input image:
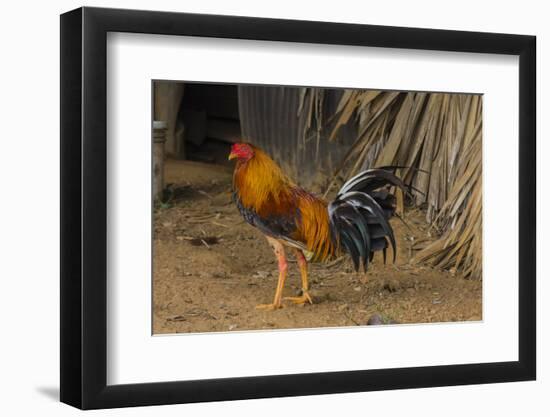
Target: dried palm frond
[437, 136]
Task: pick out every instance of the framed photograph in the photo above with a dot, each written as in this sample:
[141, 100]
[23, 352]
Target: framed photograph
[258, 208]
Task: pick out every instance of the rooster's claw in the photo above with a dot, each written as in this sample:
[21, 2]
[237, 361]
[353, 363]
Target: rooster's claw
[303, 299]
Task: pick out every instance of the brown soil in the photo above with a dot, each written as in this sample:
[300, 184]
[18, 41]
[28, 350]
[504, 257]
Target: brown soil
[211, 269]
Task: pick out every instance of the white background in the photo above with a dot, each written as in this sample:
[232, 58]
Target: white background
[29, 211]
[133, 60]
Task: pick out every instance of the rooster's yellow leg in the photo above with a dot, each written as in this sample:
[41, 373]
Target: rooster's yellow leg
[279, 250]
[305, 297]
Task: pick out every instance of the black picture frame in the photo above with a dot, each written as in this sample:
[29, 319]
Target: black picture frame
[84, 207]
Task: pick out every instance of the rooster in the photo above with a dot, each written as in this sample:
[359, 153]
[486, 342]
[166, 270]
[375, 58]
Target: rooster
[356, 222]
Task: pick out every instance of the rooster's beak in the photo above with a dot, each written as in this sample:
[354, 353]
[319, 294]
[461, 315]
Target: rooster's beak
[232, 155]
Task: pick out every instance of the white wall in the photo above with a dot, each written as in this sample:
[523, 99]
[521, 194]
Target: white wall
[29, 175]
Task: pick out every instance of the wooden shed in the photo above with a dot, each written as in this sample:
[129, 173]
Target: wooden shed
[292, 124]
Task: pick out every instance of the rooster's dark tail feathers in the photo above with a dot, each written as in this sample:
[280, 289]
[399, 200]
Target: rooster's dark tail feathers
[359, 215]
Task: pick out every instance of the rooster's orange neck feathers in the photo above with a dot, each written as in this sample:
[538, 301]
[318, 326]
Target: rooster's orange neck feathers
[260, 181]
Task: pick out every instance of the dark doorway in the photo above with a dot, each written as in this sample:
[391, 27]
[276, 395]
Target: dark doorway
[210, 116]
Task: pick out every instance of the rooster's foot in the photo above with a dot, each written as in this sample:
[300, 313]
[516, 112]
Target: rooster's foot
[303, 299]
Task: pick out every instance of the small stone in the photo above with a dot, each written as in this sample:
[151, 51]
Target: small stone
[392, 285]
[375, 320]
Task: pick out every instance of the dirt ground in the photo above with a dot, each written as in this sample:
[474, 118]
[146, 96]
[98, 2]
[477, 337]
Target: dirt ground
[211, 269]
